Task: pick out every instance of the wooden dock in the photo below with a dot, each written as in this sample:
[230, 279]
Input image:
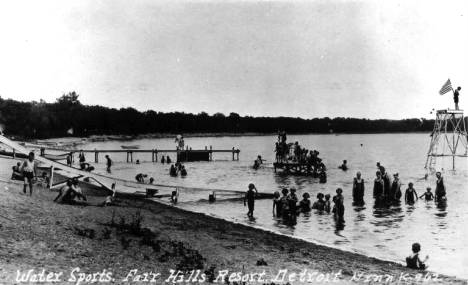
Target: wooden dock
[182, 155]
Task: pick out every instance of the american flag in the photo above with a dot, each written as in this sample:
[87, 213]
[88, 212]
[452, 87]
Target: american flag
[446, 88]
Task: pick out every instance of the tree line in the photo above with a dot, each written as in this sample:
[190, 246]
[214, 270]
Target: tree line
[45, 120]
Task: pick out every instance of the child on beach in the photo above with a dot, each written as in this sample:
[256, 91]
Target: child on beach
[428, 196]
[250, 199]
[413, 260]
[410, 194]
[29, 172]
[17, 172]
[109, 163]
[44, 181]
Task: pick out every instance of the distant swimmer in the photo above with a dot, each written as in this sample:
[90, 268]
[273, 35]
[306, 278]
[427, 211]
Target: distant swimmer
[258, 162]
[168, 159]
[410, 194]
[173, 170]
[428, 196]
[183, 172]
[138, 161]
[250, 199]
[344, 166]
[163, 159]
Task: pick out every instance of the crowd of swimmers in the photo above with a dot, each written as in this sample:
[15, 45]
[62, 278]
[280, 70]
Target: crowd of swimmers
[288, 206]
[176, 169]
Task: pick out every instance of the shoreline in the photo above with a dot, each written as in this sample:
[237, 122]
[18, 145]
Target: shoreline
[189, 135]
[49, 236]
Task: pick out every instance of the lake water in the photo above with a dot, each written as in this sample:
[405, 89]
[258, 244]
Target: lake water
[386, 233]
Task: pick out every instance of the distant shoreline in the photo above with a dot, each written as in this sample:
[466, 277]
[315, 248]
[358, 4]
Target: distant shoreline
[199, 135]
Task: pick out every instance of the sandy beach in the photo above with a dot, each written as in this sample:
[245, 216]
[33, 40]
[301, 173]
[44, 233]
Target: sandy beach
[119, 245]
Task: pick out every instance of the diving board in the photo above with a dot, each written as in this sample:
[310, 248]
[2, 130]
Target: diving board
[105, 181]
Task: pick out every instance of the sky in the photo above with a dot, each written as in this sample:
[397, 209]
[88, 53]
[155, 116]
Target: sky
[308, 59]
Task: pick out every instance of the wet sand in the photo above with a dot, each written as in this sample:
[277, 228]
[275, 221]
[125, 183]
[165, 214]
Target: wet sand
[41, 235]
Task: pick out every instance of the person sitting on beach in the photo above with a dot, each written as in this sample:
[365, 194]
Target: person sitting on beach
[344, 166]
[67, 195]
[86, 167]
[43, 181]
[78, 189]
[173, 170]
[428, 196]
[250, 199]
[304, 205]
[319, 204]
[168, 159]
[327, 206]
[440, 188]
[410, 194]
[163, 159]
[413, 261]
[17, 172]
[141, 178]
[277, 204]
[29, 172]
[183, 172]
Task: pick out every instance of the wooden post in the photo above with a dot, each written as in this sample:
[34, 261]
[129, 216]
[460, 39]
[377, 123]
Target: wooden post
[232, 153]
[72, 156]
[131, 156]
[96, 155]
[127, 156]
[211, 153]
[156, 155]
[51, 176]
[238, 154]
[14, 154]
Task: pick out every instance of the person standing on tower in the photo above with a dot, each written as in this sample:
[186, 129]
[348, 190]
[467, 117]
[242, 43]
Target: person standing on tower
[455, 97]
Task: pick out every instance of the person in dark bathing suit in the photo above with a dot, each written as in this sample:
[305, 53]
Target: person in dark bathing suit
[304, 205]
[440, 188]
[319, 204]
[358, 189]
[410, 194]
[339, 204]
[378, 192]
[250, 199]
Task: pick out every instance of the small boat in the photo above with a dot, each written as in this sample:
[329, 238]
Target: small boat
[120, 138]
[98, 139]
[48, 143]
[130, 146]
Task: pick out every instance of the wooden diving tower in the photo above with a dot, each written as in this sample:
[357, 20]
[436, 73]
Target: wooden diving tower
[449, 130]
